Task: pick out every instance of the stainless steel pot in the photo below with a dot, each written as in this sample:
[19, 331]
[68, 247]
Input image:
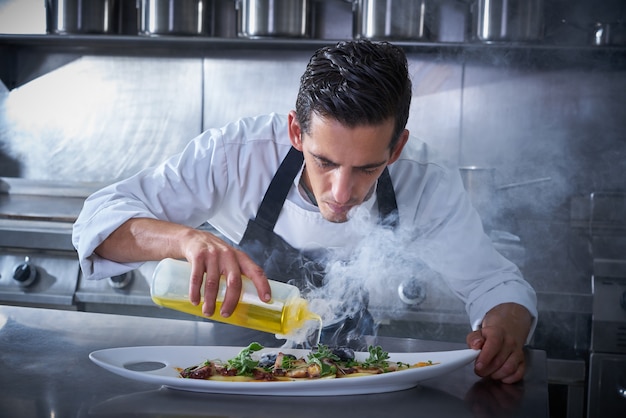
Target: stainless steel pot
[608, 33]
[82, 16]
[600, 33]
[274, 18]
[390, 19]
[481, 180]
[484, 193]
[176, 17]
[508, 20]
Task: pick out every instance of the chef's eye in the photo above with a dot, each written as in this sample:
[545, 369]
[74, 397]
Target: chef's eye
[370, 171]
[325, 164]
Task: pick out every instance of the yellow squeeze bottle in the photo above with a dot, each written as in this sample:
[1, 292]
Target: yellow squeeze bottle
[285, 314]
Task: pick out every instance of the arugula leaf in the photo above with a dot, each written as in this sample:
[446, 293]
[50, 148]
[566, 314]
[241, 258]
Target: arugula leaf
[377, 358]
[287, 363]
[323, 351]
[243, 362]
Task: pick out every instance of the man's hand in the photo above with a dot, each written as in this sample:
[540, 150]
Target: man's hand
[501, 340]
[211, 255]
[142, 239]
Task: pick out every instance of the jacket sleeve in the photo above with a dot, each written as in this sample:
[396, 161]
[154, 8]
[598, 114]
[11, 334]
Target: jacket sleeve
[460, 251]
[179, 190]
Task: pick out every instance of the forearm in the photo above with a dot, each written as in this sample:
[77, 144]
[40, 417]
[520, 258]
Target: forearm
[144, 239]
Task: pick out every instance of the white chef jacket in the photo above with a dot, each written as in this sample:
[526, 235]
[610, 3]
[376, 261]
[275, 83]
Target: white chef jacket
[221, 178]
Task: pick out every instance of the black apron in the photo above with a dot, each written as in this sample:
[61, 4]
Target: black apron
[281, 262]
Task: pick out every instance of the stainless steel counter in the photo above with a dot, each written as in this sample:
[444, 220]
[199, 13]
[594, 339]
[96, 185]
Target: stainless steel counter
[46, 372]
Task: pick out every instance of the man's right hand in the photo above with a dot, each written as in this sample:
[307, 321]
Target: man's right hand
[143, 239]
[211, 255]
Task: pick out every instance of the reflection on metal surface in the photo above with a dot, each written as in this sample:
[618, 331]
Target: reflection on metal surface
[103, 118]
[3, 320]
[173, 403]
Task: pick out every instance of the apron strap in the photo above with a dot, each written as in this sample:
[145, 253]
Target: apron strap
[386, 197]
[276, 193]
[278, 189]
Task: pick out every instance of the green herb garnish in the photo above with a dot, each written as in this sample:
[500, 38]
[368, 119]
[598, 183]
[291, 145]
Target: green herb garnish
[323, 352]
[243, 362]
[287, 363]
[377, 358]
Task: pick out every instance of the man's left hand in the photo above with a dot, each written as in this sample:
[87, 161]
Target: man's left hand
[501, 340]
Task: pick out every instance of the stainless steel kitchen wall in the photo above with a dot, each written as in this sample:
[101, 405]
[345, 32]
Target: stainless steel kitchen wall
[105, 118]
[566, 125]
[101, 118]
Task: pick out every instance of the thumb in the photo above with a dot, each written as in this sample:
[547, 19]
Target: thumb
[475, 340]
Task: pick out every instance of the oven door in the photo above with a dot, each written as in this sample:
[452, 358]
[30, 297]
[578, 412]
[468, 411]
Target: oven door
[607, 385]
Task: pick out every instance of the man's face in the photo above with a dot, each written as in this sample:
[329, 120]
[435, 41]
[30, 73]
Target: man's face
[342, 164]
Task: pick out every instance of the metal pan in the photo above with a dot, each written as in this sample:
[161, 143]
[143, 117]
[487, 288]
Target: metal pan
[82, 16]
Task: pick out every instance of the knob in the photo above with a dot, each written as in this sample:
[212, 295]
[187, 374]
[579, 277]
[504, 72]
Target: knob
[121, 281]
[412, 292]
[25, 273]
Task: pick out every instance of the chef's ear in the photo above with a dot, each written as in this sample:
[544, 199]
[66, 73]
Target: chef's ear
[295, 133]
[397, 149]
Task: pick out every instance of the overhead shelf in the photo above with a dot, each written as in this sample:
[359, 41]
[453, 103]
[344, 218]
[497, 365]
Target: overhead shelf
[203, 46]
[19, 53]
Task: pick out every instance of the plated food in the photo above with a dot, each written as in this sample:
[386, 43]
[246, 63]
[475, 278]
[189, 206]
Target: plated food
[161, 365]
[323, 362]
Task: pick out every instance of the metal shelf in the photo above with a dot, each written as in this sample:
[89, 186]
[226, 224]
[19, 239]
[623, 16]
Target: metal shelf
[205, 46]
[27, 56]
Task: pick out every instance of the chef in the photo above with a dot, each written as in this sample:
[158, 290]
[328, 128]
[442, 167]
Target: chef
[283, 189]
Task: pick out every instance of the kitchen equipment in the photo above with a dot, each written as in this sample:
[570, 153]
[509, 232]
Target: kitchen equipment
[508, 20]
[390, 19]
[176, 17]
[38, 264]
[483, 178]
[613, 33]
[285, 314]
[82, 16]
[274, 18]
[600, 33]
[480, 185]
[607, 360]
[451, 21]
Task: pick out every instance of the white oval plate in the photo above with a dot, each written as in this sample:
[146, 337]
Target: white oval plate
[158, 365]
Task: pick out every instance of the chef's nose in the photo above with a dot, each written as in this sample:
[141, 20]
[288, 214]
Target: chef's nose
[342, 186]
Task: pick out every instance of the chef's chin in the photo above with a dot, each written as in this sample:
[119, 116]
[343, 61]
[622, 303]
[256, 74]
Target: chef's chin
[334, 217]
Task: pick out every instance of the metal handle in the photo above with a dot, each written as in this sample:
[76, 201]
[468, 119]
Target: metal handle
[523, 183]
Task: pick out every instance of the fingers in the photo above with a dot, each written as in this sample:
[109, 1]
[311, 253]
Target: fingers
[500, 357]
[233, 292]
[211, 260]
[195, 282]
[240, 265]
[256, 274]
[492, 354]
[475, 340]
[515, 376]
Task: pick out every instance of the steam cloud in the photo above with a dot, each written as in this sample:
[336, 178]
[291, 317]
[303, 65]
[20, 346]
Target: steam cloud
[369, 271]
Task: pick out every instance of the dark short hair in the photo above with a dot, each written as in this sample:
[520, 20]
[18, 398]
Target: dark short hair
[356, 82]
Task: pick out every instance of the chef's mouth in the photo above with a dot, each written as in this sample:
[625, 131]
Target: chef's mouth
[337, 213]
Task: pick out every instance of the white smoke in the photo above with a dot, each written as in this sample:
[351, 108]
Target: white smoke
[369, 270]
